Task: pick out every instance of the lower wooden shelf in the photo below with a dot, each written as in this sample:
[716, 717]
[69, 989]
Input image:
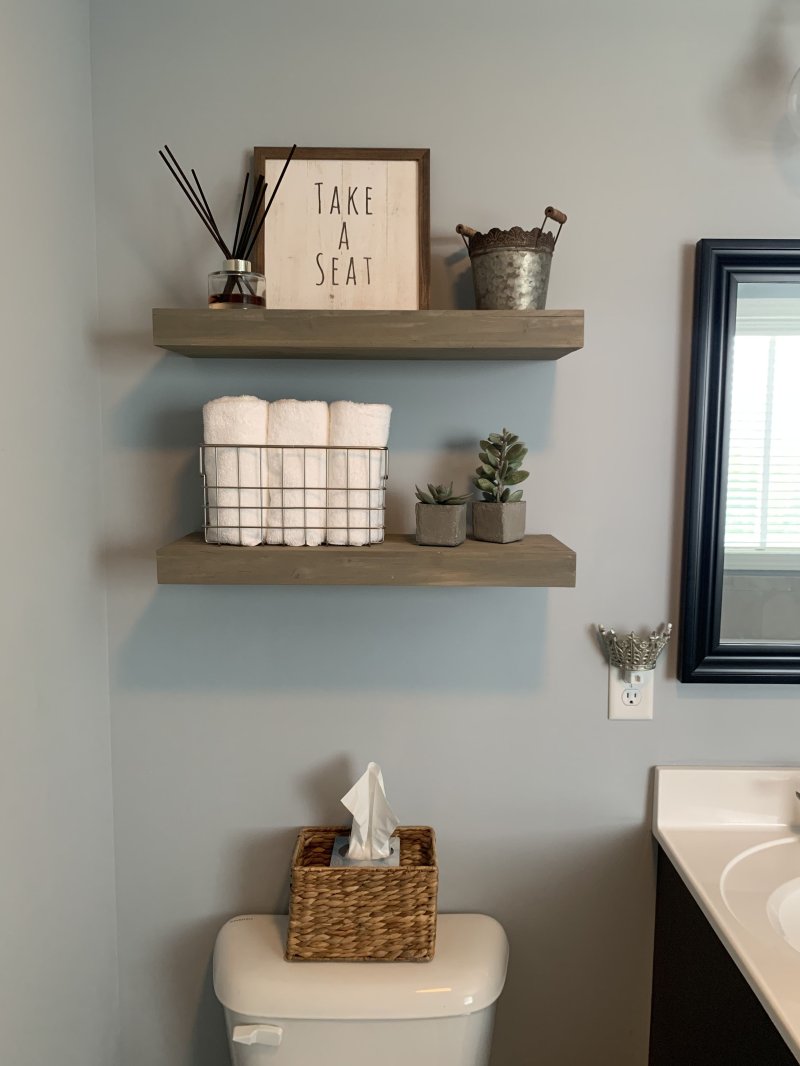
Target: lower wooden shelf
[536, 561]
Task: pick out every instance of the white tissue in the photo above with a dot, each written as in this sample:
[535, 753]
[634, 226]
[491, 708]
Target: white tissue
[373, 818]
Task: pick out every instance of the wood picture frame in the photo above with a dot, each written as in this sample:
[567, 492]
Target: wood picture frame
[323, 252]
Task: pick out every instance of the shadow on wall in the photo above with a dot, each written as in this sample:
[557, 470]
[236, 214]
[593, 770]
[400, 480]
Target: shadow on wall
[195, 1023]
[258, 867]
[274, 639]
[263, 887]
[566, 930]
[588, 906]
[684, 365]
[163, 409]
[752, 100]
[451, 273]
[223, 639]
[156, 425]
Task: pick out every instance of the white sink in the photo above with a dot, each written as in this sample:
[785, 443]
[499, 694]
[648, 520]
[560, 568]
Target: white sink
[734, 837]
[783, 911]
[761, 889]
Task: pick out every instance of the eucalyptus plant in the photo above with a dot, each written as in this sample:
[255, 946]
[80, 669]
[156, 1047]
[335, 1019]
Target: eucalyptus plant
[501, 457]
[441, 494]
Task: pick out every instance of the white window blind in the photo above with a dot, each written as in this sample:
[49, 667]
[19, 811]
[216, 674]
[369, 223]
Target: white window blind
[763, 483]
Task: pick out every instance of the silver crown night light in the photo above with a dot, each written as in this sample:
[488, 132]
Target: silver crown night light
[631, 653]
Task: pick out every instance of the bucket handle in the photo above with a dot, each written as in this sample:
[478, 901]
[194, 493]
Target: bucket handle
[554, 215]
[551, 213]
[465, 231]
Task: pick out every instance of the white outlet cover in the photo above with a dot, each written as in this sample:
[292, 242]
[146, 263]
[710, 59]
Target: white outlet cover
[621, 706]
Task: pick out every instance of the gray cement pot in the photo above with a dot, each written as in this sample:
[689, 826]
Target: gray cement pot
[442, 524]
[500, 523]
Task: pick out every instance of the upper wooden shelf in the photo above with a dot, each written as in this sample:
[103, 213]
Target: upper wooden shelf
[536, 561]
[263, 334]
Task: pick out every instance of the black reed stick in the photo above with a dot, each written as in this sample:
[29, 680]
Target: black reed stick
[247, 231]
[187, 187]
[247, 228]
[269, 204]
[200, 204]
[241, 207]
[208, 209]
[186, 181]
[185, 191]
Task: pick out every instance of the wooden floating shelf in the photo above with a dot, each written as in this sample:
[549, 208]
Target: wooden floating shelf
[536, 561]
[252, 333]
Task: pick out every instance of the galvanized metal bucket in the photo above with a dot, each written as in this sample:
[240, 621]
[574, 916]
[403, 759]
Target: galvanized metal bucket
[511, 268]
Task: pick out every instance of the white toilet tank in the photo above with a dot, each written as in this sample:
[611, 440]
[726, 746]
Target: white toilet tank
[437, 1013]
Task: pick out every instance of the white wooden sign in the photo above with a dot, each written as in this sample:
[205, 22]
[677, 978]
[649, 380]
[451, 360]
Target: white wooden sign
[346, 233]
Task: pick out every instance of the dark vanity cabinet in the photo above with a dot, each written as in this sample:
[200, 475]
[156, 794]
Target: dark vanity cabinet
[704, 1012]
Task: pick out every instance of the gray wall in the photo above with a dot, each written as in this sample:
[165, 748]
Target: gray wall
[57, 940]
[239, 714]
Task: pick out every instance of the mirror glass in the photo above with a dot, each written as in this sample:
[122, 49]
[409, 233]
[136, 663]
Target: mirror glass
[760, 601]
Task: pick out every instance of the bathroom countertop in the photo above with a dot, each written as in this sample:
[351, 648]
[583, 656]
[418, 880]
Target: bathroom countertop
[733, 835]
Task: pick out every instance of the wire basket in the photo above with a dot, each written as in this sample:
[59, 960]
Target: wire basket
[294, 495]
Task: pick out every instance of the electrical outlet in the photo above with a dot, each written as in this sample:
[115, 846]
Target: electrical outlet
[630, 695]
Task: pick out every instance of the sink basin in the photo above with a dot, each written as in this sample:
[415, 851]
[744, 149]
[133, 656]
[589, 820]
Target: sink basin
[783, 909]
[761, 889]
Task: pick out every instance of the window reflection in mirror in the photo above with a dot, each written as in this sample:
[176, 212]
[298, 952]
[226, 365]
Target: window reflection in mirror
[761, 579]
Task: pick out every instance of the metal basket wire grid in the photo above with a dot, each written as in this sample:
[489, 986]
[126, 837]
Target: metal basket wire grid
[296, 495]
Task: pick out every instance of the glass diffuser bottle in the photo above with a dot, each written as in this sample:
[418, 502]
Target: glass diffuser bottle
[236, 285]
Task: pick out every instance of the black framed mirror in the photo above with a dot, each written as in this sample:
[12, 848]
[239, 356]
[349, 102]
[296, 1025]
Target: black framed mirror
[740, 590]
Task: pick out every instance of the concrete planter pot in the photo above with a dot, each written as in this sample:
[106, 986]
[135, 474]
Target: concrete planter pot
[500, 523]
[441, 524]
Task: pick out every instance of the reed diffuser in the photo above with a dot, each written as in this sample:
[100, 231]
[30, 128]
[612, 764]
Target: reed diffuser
[237, 284]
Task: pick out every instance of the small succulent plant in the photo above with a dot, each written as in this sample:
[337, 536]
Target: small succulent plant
[501, 457]
[441, 494]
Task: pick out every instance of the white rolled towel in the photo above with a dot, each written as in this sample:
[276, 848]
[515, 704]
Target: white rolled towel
[356, 477]
[236, 477]
[297, 435]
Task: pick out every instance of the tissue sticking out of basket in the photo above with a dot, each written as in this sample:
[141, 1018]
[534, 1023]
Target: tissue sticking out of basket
[371, 842]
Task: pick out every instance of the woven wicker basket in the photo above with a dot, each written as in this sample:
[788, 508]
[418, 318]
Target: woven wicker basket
[352, 913]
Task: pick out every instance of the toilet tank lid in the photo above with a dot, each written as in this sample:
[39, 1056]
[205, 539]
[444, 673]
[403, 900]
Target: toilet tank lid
[252, 978]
